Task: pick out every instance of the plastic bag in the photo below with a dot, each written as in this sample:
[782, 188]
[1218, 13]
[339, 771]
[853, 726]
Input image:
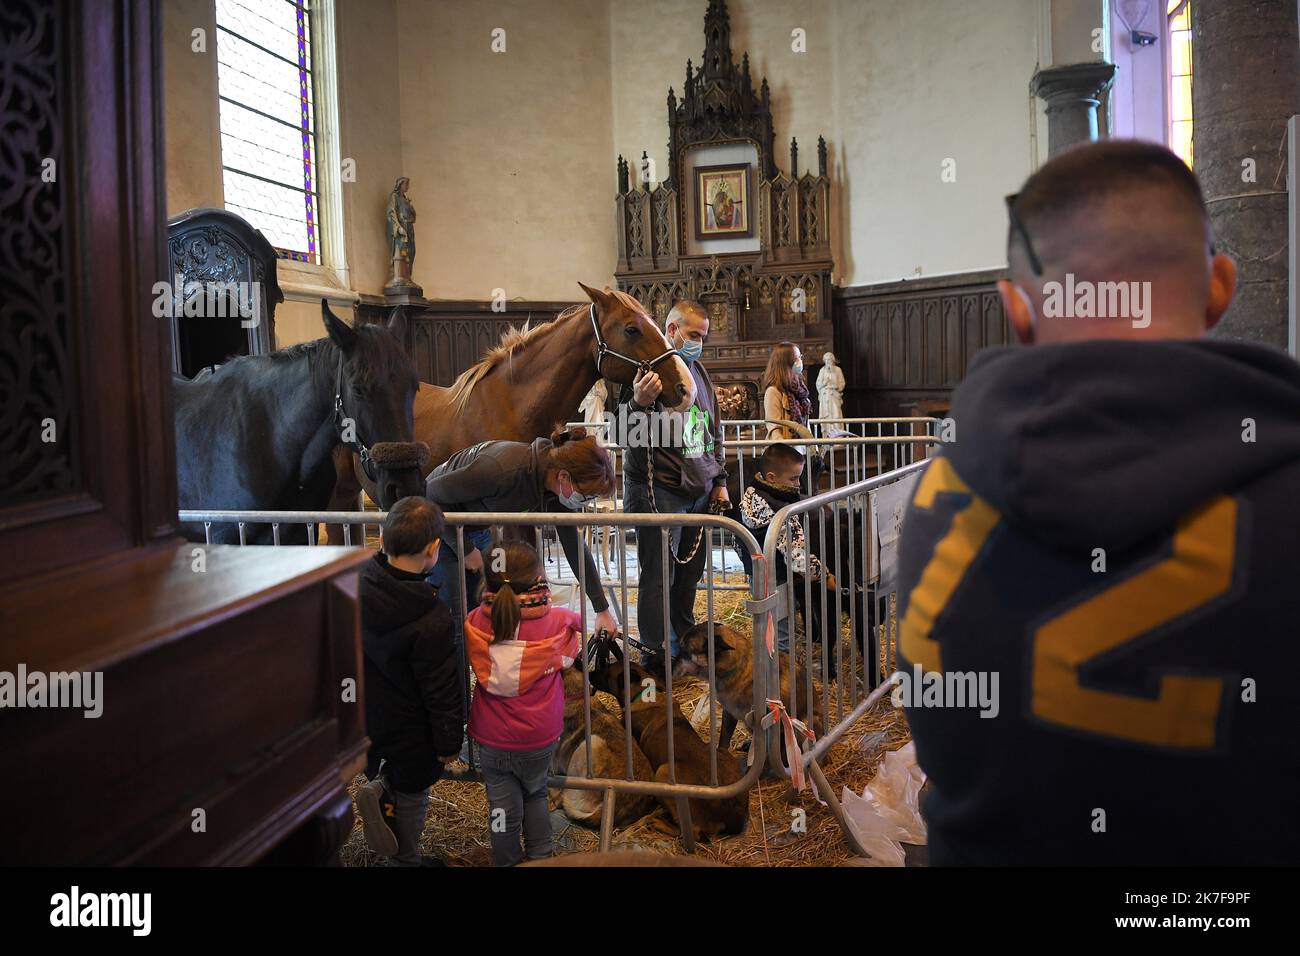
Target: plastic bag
[888, 813]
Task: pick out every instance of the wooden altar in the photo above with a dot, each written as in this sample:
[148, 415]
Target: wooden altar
[777, 289]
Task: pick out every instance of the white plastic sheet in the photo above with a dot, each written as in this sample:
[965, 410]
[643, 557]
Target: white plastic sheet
[888, 813]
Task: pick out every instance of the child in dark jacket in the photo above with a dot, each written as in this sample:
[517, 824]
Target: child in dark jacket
[518, 645]
[775, 484]
[413, 682]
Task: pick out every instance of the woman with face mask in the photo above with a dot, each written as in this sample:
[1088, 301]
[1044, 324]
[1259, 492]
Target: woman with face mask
[785, 390]
[560, 473]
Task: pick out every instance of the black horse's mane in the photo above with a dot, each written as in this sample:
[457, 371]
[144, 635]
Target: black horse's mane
[376, 357]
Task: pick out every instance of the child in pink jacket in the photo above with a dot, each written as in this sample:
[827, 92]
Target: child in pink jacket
[518, 645]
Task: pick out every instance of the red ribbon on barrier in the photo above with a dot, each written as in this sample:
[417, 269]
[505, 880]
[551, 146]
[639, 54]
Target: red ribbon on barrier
[790, 726]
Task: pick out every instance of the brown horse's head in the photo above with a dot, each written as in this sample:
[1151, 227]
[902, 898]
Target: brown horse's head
[374, 383]
[632, 340]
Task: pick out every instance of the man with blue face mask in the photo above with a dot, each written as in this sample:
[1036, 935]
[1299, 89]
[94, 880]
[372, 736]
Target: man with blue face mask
[681, 476]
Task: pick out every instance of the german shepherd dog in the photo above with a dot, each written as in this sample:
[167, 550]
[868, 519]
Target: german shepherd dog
[733, 662]
[709, 818]
[608, 759]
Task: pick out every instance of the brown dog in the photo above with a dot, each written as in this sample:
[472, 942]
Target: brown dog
[650, 715]
[733, 663]
[608, 759]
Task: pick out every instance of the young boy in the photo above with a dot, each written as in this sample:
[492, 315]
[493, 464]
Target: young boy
[413, 682]
[775, 484]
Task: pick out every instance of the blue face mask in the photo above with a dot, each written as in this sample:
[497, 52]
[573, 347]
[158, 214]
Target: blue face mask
[576, 500]
[690, 350]
[798, 367]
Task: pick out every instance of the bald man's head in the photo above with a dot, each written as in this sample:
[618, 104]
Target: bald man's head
[1113, 217]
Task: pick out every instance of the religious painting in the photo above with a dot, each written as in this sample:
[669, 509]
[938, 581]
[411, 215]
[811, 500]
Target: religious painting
[722, 202]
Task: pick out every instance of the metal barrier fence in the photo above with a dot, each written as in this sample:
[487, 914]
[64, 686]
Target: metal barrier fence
[864, 519]
[880, 445]
[857, 448]
[854, 663]
[848, 443]
[710, 525]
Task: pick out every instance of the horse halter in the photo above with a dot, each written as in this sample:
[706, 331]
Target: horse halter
[603, 349]
[340, 416]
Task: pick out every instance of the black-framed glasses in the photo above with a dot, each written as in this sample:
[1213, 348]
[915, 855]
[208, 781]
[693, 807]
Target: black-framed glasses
[1034, 262]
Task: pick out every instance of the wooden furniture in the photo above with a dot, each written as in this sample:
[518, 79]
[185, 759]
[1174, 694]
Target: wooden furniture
[222, 671]
[207, 248]
[912, 341]
[222, 706]
[779, 288]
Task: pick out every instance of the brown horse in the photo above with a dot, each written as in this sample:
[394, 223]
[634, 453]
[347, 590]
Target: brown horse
[535, 378]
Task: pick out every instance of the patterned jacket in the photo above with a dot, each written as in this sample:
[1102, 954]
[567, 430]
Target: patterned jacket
[759, 505]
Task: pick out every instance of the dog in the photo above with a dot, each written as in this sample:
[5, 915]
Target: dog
[650, 715]
[733, 662]
[608, 759]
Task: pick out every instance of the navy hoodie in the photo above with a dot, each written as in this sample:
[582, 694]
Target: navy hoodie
[1104, 538]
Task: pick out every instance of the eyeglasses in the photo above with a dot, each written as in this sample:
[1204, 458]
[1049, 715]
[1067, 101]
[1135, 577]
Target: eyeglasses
[1034, 262]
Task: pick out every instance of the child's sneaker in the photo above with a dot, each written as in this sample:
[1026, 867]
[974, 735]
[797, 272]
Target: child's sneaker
[377, 816]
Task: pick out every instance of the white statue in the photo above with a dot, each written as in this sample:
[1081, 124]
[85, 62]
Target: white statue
[592, 409]
[830, 389]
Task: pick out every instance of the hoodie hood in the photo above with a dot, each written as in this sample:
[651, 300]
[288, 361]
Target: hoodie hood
[394, 598]
[1102, 443]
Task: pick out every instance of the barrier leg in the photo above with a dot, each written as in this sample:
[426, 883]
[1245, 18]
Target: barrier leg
[685, 825]
[607, 820]
[837, 811]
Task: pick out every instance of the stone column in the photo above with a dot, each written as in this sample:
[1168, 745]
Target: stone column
[1245, 85]
[1072, 94]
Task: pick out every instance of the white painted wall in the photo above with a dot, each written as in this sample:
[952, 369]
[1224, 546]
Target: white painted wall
[917, 83]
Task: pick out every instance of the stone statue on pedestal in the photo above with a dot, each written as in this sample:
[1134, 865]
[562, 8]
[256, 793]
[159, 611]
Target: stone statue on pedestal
[830, 389]
[401, 240]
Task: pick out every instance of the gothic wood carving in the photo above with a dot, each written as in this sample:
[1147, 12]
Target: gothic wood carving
[780, 291]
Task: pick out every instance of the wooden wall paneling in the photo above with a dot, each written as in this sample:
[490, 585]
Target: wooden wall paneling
[953, 366]
[918, 336]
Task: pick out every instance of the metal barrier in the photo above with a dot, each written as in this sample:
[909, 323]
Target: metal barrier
[848, 438]
[861, 595]
[863, 592]
[850, 453]
[709, 525]
[896, 442]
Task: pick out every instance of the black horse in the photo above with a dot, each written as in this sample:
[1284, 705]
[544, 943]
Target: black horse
[257, 434]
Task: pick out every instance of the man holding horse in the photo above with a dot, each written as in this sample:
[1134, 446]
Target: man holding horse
[688, 476]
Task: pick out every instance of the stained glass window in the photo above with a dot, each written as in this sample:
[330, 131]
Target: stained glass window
[268, 124]
[1180, 78]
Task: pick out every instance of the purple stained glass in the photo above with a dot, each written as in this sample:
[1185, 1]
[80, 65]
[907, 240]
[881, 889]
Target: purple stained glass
[268, 154]
[304, 78]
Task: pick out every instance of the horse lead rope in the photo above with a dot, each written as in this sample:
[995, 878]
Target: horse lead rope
[603, 349]
[715, 508]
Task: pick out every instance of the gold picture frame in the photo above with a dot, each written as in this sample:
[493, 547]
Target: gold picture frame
[723, 208]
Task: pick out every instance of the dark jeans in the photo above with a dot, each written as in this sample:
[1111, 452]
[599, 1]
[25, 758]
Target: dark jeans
[683, 579]
[409, 811]
[515, 781]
